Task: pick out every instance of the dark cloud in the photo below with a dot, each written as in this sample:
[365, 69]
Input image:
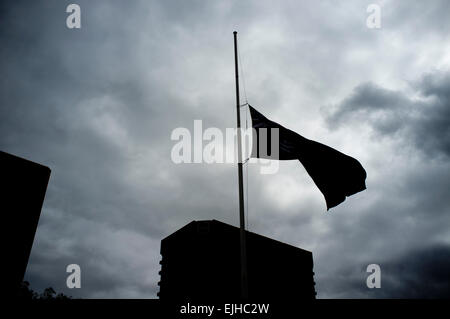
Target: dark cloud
[375, 104]
[411, 183]
[422, 116]
[418, 20]
[422, 273]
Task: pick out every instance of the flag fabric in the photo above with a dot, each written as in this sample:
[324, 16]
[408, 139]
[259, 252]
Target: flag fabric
[336, 175]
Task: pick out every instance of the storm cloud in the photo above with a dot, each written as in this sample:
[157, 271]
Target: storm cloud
[421, 117]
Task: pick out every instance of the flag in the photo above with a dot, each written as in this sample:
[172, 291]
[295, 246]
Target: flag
[336, 175]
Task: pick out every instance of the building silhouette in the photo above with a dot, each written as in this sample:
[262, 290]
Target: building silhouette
[201, 261]
[23, 187]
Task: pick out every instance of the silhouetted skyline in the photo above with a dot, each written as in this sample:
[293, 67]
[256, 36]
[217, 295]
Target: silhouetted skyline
[201, 261]
[23, 187]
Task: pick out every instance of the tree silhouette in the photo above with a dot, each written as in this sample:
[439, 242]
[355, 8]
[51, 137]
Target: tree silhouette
[26, 293]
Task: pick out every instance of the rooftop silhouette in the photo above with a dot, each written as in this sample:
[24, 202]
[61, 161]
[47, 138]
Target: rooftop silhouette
[23, 187]
[201, 261]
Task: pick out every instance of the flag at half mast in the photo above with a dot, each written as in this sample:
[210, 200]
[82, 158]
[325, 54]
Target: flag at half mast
[336, 175]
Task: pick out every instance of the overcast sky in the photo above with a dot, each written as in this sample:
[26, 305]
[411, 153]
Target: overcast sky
[98, 104]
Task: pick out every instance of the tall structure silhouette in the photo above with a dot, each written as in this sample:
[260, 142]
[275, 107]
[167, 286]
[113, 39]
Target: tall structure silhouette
[201, 261]
[23, 187]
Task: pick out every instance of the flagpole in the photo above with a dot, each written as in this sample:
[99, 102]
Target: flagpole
[244, 283]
